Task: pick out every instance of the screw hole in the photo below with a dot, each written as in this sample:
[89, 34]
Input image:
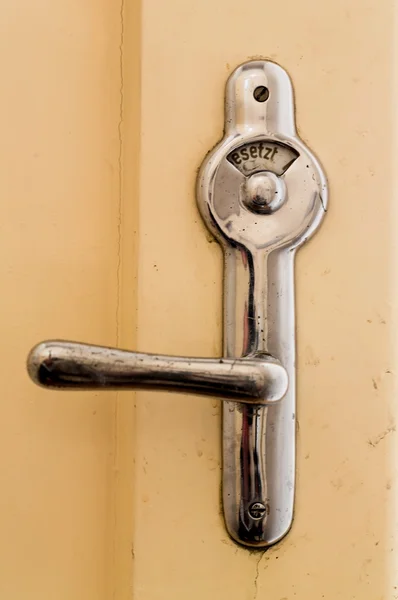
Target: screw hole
[261, 93]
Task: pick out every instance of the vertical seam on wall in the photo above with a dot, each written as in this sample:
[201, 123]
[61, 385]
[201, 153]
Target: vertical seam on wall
[118, 296]
[120, 170]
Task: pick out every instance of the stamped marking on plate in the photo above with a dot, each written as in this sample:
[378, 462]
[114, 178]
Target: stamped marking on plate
[263, 155]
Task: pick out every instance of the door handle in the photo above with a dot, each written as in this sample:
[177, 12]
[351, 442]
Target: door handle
[66, 365]
[262, 194]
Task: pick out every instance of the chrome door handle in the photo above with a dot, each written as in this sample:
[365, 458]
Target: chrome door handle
[65, 365]
[262, 194]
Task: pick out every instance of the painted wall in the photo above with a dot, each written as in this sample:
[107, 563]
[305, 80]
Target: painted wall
[59, 190]
[341, 58]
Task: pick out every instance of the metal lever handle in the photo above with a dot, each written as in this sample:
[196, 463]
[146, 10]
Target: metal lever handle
[257, 380]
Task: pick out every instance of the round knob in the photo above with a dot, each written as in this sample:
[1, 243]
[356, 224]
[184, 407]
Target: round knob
[264, 192]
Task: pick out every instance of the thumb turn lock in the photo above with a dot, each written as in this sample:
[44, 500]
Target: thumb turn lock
[262, 194]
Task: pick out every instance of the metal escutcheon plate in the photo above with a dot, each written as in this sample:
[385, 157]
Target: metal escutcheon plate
[262, 194]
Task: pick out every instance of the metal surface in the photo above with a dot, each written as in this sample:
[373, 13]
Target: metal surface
[65, 365]
[259, 234]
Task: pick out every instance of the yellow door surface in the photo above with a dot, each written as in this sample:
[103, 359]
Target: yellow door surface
[107, 111]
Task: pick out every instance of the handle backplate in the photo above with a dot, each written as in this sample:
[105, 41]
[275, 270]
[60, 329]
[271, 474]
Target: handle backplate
[262, 194]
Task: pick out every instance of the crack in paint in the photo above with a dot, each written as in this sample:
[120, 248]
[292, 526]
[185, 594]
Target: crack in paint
[381, 436]
[256, 576]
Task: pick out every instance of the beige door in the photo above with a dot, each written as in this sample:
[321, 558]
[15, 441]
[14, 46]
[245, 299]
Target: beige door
[107, 111]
